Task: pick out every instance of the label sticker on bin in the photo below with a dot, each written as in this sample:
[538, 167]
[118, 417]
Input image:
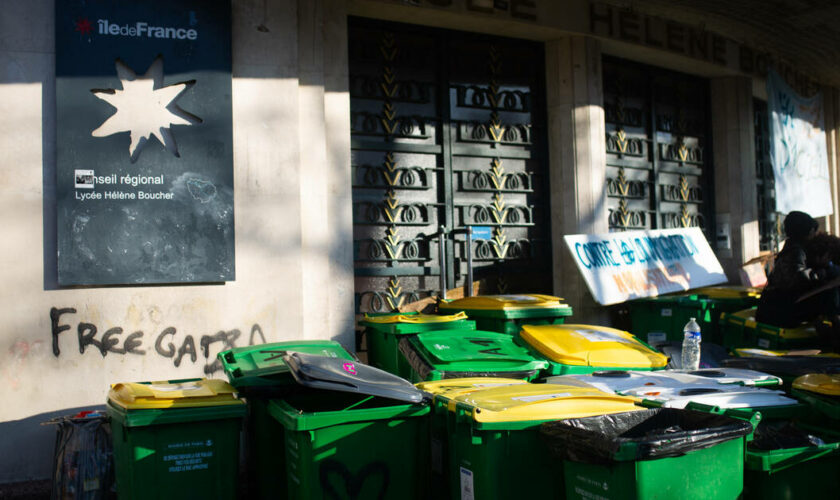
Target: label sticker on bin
[467, 488]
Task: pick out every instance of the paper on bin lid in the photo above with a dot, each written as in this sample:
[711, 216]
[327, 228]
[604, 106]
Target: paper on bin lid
[505, 302]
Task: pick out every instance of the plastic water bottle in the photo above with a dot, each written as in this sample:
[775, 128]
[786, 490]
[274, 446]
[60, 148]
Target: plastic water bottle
[691, 346]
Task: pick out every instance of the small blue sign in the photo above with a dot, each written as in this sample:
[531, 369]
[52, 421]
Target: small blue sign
[482, 233]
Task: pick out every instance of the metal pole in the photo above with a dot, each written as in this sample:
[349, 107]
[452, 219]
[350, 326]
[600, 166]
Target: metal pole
[442, 251]
[468, 285]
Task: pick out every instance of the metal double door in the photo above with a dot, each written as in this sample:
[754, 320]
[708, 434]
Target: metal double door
[448, 133]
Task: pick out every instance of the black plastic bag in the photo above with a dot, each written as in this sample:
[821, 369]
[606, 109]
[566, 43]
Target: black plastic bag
[711, 355]
[639, 435]
[782, 435]
[83, 464]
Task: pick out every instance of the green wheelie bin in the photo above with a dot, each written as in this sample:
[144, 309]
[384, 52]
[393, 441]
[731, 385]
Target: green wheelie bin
[496, 450]
[660, 453]
[384, 331]
[353, 431]
[786, 460]
[662, 318]
[507, 313]
[176, 439]
[259, 373]
[442, 421]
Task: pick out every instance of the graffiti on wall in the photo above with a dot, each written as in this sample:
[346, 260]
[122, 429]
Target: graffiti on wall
[167, 343]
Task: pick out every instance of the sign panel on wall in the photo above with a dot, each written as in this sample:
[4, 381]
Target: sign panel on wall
[634, 264]
[144, 169]
[798, 149]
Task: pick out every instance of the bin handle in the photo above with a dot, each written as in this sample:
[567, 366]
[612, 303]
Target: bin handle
[797, 459]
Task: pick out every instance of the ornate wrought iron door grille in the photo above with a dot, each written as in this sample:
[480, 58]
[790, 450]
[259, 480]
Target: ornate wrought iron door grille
[658, 162]
[769, 225]
[447, 130]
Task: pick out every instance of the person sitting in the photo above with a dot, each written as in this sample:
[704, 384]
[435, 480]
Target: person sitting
[803, 265]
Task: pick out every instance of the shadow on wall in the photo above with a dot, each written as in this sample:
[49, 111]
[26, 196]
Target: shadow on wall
[26, 452]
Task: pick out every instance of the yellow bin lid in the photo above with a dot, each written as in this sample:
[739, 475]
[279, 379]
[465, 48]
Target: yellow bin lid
[505, 302]
[819, 383]
[417, 318]
[450, 388]
[173, 394]
[518, 403]
[589, 345]
[727, 292]
[745, 317]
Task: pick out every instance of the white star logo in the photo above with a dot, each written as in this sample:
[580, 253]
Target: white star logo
[145, 108]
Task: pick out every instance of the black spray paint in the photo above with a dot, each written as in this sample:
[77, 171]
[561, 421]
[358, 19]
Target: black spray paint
[168, 343]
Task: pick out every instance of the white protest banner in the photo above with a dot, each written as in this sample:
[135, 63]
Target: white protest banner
[634, 264]
[798, 149]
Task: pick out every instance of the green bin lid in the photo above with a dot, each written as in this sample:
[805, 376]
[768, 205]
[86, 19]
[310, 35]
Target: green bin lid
[474, 351]
[263, 365]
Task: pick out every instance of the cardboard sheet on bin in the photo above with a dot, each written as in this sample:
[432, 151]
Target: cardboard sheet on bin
[541, 402]
[622, 381]
[721, 396]
[590, 345]
[505, 302]
[786, 365]
[173, 394]
[323, 372]
[644, 435]
[415, 318]
[819, 383]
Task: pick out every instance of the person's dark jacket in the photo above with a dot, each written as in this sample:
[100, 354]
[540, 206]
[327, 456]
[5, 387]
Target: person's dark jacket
[790, 279]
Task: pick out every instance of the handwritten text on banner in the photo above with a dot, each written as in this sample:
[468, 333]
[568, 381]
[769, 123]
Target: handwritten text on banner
[629, 265]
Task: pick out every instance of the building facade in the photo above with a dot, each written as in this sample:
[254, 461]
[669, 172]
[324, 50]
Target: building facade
[361, 128]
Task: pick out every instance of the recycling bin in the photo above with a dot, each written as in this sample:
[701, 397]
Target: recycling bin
[787, 368]
[259, 373]
[821, 392]
[384, 331]
[740, 329]
[507, 313]
[456, 354]
[654, 453]
[442, 421]
[496, 448]
[662, 318]
[785, 461]
[587, 348]
[176, 439]
[354, 432]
